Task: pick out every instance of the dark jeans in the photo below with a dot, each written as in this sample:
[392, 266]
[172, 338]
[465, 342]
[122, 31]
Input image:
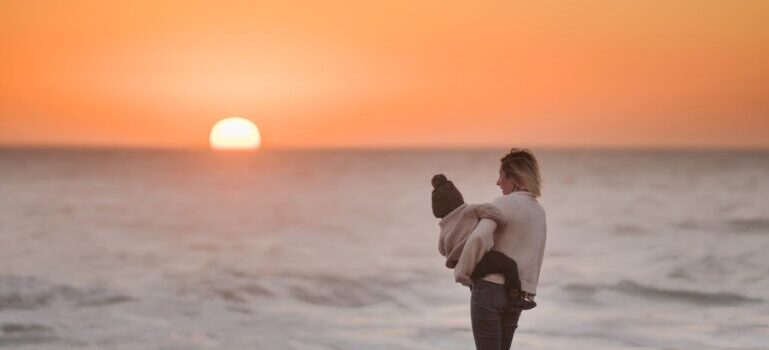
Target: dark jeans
[493, 324]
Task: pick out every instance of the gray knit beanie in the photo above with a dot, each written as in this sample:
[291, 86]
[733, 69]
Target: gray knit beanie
[446, 197]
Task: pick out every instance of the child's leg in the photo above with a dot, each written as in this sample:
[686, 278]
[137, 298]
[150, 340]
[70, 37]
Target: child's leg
[484, 267]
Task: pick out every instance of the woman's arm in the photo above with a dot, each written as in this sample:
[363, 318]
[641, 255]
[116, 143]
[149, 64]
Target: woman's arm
[478, 243]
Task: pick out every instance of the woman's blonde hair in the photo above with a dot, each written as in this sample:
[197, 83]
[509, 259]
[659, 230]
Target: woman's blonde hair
[521, 167]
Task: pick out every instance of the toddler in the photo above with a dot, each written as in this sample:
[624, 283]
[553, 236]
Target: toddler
[458, 219]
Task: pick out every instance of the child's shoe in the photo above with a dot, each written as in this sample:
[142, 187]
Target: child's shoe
[519, 302]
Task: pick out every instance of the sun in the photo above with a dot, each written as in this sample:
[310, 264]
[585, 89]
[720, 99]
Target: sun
[235, 133]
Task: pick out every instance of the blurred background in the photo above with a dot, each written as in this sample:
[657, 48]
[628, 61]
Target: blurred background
[123, 225]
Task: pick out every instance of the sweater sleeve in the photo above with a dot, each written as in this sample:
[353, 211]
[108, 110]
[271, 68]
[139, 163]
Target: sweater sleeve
[478, 243]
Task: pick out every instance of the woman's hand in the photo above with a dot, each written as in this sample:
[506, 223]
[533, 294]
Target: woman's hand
[464, 280]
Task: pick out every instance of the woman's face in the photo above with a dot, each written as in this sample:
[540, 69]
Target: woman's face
[504, 183]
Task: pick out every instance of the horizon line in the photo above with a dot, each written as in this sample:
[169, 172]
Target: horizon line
[11, 146]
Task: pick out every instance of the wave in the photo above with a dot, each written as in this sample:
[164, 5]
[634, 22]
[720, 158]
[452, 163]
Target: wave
[586, 292]
[747, 226]
[21, 292]
[239, 288]
[15, 334]
[338, 291]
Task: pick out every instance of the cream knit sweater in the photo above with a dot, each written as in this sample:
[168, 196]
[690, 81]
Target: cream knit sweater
[457, 225]
[522, 239]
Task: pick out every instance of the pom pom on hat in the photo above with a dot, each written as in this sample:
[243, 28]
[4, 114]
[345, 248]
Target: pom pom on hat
[446, 197]
[439, 180]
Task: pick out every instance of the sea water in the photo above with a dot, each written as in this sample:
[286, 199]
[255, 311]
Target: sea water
[337, 249]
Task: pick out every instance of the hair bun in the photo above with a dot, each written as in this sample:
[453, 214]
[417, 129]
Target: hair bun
[439, 180]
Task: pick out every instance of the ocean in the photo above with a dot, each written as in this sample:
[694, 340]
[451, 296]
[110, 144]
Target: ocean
[337, 249]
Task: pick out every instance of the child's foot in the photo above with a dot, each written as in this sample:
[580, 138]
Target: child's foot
[520, 303]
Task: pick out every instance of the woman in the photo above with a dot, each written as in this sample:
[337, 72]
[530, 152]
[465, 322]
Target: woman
[523, 239]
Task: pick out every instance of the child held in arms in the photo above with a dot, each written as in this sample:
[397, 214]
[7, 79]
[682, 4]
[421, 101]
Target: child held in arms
[458, 219]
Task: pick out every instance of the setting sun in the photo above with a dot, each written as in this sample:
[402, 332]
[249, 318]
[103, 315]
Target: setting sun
[235, 133]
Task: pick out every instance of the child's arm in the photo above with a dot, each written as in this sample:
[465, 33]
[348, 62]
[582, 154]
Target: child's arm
[478, 243]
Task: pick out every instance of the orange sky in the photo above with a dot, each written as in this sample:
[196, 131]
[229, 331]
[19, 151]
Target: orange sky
[387, 73]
